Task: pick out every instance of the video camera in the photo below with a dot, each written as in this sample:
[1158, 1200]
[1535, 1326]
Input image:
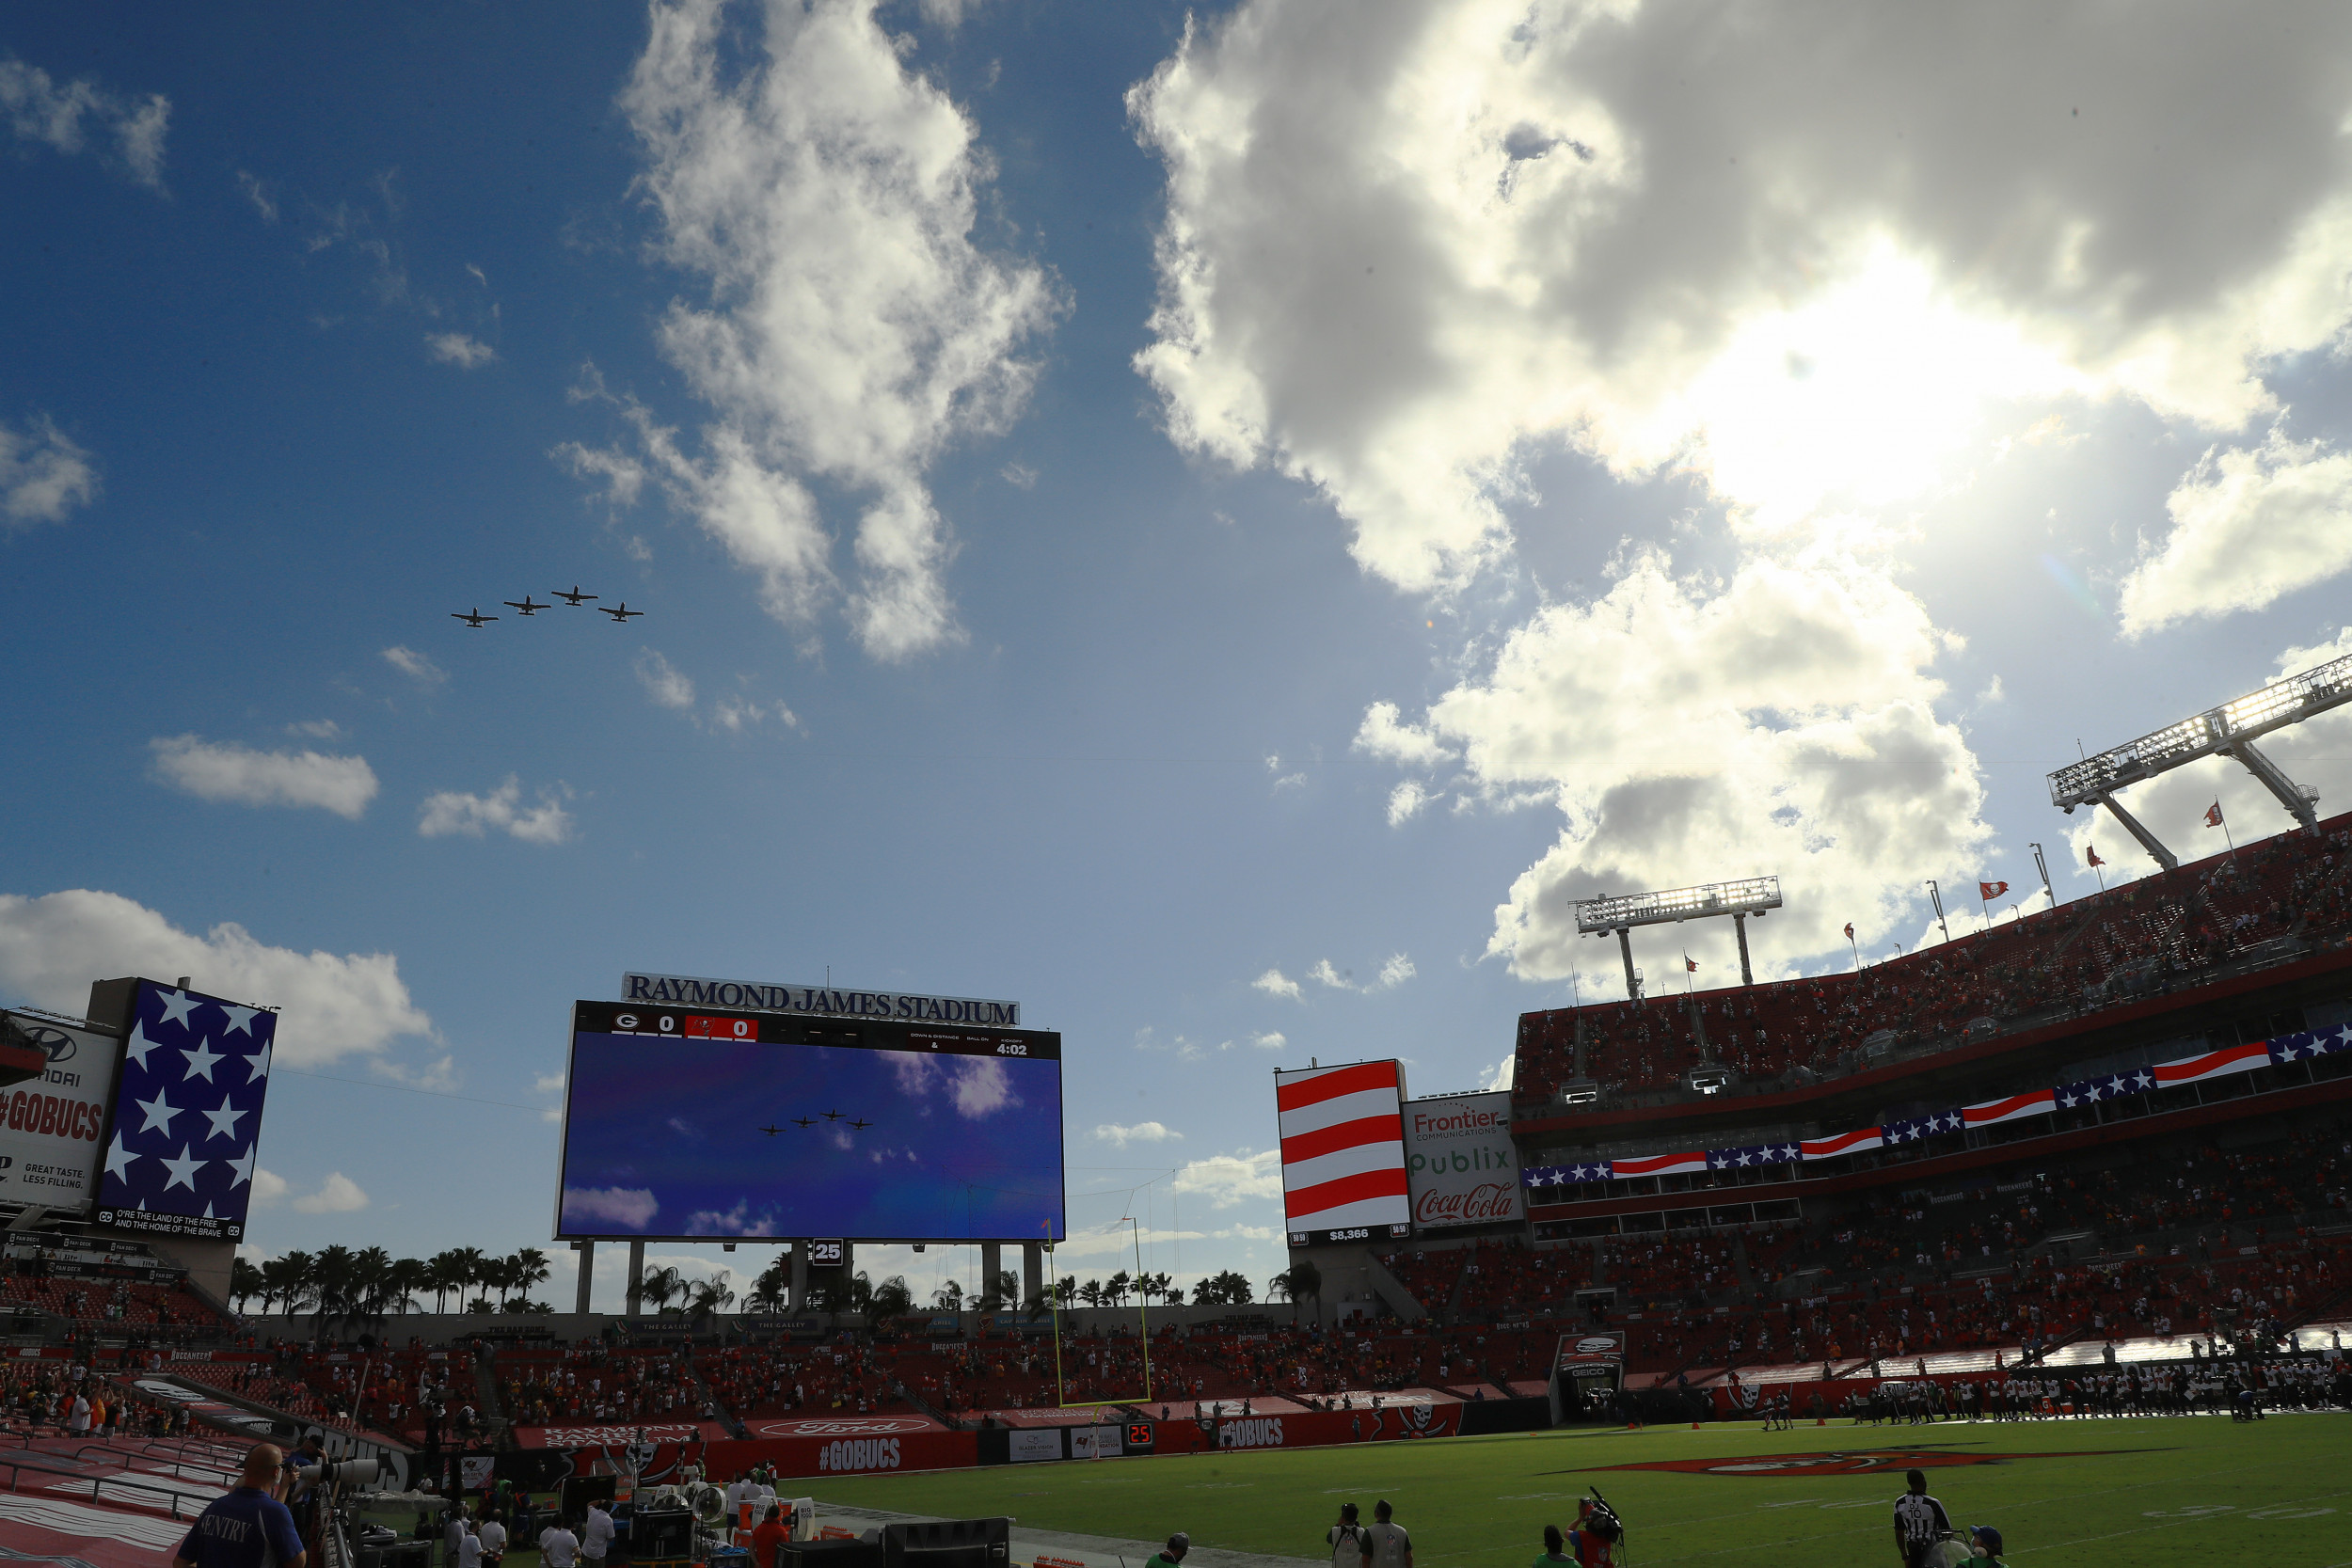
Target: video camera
[339, 1472]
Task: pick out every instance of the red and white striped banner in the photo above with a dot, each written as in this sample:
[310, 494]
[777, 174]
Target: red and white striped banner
[1843, 1143]
[1659, 1165]
[1342, 1146]
[2214, 1064]
[2041, 1102]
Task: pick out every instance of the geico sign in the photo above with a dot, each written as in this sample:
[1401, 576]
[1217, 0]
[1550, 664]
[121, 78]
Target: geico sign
[859, 1453]
[1263, 1432]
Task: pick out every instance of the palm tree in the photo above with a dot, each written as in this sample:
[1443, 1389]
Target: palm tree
[467, 1263]
[245, 1282]
[527, 1268]
[334, 1278]
[948, 1297]
[408, 1278]
[659, 1287]
[446, 1273]
[773, 1288]
[889, 1298]
[710, 1295]
[289, 1281]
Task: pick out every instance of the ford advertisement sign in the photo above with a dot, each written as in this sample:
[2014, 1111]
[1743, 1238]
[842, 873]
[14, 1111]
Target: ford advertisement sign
[1459, 1160]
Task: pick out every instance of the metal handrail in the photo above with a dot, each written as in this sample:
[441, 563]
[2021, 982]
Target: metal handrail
[16, 1468]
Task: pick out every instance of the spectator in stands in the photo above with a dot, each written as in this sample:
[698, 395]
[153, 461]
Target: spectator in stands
[247, 1528]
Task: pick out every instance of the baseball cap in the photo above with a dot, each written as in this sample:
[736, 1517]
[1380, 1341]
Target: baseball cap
[1986, 1534]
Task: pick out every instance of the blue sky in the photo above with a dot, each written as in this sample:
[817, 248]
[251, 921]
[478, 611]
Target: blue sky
[1128, 519]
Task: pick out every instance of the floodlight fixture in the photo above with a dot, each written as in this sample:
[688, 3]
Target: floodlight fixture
[2230, 729]
[1620, 913]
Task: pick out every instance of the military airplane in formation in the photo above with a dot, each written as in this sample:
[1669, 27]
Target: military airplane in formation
[772, 1132]
[803, 1121]
[623, 614]
[525, 606]
[860, 1125]
[573, 599]
[474, 619]
[833, 1116]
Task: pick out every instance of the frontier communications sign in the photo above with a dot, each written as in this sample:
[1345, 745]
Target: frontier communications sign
[684, 991]
[1459, 1160]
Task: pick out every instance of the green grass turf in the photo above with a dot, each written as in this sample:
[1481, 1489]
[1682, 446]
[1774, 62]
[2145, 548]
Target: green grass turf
[2277, 1493]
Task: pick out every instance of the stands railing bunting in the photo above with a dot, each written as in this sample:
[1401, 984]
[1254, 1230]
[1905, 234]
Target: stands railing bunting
[2285, 1049]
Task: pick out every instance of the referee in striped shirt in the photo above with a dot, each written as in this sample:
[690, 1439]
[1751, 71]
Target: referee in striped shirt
[1920, 1522]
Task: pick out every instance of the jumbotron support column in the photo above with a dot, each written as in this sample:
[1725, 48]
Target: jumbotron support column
[2297, 803]
[799, 1276]
[992, 1264]
[1032, 1270]
[636, 1278]
[587, 1251]
[1625, 946]
[1740, 929]
[2148, 841]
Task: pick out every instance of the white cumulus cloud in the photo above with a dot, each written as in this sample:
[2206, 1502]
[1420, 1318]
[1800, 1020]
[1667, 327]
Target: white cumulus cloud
[43, 475]
[454, 812]
[226, 771]
[269, 1188]
[1275, 983]
[846, 327]
[329, 1005]
[1413, 248]
[664, 682]
[337, 1195]
[632, 1207]
[414, 665]
[69, 117]
[456, 348]
[2248, 525]
[1225, 1179]
[1141, 1132]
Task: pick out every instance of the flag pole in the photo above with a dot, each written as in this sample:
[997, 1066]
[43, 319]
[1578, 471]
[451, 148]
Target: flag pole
[2095, 864]
[1858, 949]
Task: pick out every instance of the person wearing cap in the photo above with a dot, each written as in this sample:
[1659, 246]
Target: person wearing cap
[1593, 1541]
[1171, 1555]
[1389, 1545]
[1984, 1545]
[1350, 1546]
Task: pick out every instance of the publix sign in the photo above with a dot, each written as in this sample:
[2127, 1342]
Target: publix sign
[1459, 1162]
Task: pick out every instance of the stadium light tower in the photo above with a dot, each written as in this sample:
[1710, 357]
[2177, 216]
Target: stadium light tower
[2230, 729]
[1597, 917]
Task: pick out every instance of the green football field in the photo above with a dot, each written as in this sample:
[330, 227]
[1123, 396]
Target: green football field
[2276, 1493]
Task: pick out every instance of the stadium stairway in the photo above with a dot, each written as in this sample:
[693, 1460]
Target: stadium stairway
[718, 1408]
[1406, 1304]
[913, 1397]
[487, 1403]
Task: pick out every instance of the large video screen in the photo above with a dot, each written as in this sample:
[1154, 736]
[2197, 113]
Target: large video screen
[706, 1126]
[187, 1115]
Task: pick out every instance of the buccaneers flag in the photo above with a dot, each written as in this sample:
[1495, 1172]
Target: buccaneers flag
[2093, 852]
[2212, 814]
[1990, 891]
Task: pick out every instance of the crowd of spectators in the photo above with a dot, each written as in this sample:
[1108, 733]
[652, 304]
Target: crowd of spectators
[596, 1383]
[2081, 955]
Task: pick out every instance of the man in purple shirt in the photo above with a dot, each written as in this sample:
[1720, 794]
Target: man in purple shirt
[247, 1528]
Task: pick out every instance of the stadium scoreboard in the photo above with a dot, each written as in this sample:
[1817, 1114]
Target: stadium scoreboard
[700, 1124]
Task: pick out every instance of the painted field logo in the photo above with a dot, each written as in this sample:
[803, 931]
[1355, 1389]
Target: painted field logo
[1265, 1431]
[1854, 1462]
[867, 1453]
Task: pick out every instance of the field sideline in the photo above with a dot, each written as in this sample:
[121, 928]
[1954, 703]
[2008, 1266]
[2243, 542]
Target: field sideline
[2277, 1493]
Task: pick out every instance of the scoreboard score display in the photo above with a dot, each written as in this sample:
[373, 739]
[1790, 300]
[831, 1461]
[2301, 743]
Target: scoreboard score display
[698, 1125]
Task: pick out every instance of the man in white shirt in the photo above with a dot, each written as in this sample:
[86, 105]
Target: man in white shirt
[468, 1546]
[598, 1537]
[493, 1538]
[78, 1424]
[558, 1547]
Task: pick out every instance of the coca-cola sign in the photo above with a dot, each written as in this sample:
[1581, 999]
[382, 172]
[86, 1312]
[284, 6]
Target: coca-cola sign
[1459, 1161]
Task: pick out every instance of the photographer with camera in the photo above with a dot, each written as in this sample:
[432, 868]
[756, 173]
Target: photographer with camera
[247, 1528]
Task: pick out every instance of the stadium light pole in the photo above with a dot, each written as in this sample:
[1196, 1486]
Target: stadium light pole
[1935, 895]
[2043, 866]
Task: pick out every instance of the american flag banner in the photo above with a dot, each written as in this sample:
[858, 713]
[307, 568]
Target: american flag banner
[2090, 1091]
[187, 1114]
[2304, 1047]
[2212, 1064]
[1856, 1142]
[2037, 1103]
[1659, 1165]
[1343, 1132]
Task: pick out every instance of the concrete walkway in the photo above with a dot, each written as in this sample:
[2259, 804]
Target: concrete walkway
[1094, 1551]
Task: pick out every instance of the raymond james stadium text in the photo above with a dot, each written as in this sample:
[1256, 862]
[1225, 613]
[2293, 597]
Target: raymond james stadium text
[678, 990]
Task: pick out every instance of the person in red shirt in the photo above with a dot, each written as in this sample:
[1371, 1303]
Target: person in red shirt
[769, 1539]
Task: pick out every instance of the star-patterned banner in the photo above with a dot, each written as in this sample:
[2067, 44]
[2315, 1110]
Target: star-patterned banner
[1910, 1130]
[187, 1114]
